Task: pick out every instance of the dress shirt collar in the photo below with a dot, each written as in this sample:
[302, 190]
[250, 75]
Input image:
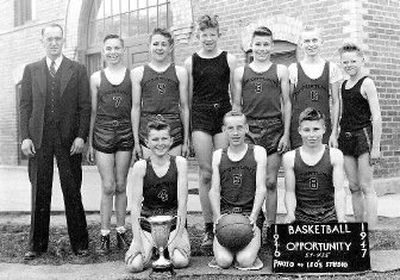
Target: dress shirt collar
[57, 62]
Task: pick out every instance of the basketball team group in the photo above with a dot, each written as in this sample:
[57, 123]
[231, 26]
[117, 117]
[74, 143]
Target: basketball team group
[242, 122]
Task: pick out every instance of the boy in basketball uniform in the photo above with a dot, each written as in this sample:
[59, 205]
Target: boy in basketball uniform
[210, 73]
[314, 175]
[261, 86]
[314, 82]
[238, 186]
[360, 134]
[159, 91]
[160, 188]
[111, 137]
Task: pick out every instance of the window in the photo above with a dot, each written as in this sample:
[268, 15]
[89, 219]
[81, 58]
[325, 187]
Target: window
[128, 18]
[283, 53]
[22, 11]
[133, 20]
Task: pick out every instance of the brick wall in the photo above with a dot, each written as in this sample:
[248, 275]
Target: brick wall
[381, 28]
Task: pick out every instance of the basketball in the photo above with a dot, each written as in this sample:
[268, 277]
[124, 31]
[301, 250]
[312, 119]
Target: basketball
[234, 231]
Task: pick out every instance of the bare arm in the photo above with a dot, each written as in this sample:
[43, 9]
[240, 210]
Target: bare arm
[94, 86]
[338, 182]
[335, 93]
[283, 75]
[237, 82]
[260, 156]
[369, 90]
[290, 186]
[136, 78]
[183, 93]
[188, 66]
[232, 62]
[138, 173]
[181, 165]
[215, 190]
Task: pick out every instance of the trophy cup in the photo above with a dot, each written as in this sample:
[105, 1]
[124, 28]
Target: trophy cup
[160, 230]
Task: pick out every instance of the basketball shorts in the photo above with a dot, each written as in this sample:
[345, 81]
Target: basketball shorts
[315, 216]
[357, 142]
[174, 121]
[209, 117]
[266, 133]
[240, 210]
[110, 136]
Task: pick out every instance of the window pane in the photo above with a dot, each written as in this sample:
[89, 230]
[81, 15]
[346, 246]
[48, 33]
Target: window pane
[125, 25]
[133, 5]
[152, 2]
[142, 24]
[115, 28]
[142, 4]
[124, 6]
[133, 23]
[152, 18]
[115, 7]
[107, 8]
[162, 13]
[99, 32]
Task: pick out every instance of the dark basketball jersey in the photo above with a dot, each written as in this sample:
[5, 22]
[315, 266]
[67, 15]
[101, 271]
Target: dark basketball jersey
[160, 91]
[310, 93]
[114, 102]
[210, 79]
[261, 93]
[315, 193]
[356, 111]
[160, 193]
[238, 181]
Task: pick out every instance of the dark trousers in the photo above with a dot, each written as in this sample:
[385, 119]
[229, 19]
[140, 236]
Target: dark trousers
[41, 177]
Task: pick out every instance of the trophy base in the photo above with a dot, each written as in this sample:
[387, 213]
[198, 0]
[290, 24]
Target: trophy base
[162, 272]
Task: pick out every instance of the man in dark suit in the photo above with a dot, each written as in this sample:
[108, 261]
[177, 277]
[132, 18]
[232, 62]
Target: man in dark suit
[55, 115]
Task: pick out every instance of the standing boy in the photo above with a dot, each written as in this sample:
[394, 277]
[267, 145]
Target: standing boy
[262, 86]
[314, 81]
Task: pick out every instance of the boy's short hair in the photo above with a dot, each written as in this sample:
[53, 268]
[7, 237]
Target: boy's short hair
[234, 113]
[157, 125]
[262, 31]
[311, 114]
[205, 21]
[114, 36]
[163, 32]
[310, 28]
[351, 47]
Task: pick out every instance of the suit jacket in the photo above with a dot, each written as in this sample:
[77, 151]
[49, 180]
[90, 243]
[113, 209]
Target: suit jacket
[75, 103]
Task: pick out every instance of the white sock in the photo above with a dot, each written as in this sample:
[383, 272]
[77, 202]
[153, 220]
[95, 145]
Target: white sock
[121, 229]
[105, 232]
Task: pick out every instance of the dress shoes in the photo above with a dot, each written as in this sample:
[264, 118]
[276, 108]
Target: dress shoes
[30, 255]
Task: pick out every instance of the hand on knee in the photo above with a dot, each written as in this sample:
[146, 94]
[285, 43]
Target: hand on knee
[179, 260]
[134, 263]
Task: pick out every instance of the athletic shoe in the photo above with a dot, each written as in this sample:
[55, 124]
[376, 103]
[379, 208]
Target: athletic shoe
[104, 245]
[257, 265]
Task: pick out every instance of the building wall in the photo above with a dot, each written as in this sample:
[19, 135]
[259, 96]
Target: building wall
[371, 23]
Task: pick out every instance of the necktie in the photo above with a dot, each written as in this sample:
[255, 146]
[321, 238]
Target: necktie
[53, 69]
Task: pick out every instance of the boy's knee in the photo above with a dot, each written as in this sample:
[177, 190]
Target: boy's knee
[354, 188]
[109, 188]
[224, 262]
[135, 264]
[205, 175]
[120, 187]
[246, 259]
[271, 184]
[179, 260]
[367, 189]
